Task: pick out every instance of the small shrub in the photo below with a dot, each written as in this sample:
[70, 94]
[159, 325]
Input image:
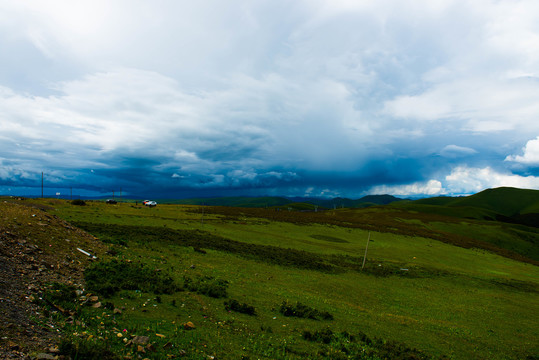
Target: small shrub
[207, 285]
[78, 202]
[234, 305]
[325, 336]
[303, 311]
[199, 250]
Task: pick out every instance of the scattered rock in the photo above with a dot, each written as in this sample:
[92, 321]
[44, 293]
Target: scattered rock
[140, 340]
[54, 350]
[189, 326]
[44, 356]
[96, 305]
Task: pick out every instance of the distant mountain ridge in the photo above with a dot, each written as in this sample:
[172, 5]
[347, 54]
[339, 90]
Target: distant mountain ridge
[275, 201]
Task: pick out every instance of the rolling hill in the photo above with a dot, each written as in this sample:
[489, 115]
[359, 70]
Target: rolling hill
[506, 204]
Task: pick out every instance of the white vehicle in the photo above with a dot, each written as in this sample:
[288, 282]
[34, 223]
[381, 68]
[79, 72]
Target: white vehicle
[149, 203]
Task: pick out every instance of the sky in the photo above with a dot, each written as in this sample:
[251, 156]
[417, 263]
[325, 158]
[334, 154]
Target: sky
[337, 98]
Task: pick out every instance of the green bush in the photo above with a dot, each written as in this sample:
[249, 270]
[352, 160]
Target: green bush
[303, 311]
[325, 336]
[235, 305]
[207, 285]
[107, 278]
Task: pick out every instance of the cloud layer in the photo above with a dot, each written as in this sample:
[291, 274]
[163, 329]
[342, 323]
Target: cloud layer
[321, 98]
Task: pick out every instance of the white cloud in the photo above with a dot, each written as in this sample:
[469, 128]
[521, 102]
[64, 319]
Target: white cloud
[431, 187]
[461, 181]
[476, 105]
[465, 180]
[530, 154]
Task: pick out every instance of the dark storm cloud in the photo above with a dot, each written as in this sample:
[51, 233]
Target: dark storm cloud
[337, 98]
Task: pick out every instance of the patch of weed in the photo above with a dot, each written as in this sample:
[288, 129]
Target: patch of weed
[206, 285]
[517, 285]
[88, 350]
[107, 278]
[325, 336]
[61, 296]
[346, 346]
[328, 238]
[235, 305]
[303, 311]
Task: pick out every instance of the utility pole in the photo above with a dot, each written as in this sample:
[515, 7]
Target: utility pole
[366, 248]
[202, 218]
[42, 184]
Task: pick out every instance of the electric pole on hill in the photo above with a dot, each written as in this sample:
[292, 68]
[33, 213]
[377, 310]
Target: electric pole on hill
[366, 248]
[202, 217]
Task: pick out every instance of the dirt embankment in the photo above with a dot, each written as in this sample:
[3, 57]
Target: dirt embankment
[36, 249]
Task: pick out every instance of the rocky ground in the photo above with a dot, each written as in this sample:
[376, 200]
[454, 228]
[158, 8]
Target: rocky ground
[36, 249]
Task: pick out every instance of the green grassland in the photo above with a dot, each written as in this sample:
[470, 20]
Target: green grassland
[446, 286]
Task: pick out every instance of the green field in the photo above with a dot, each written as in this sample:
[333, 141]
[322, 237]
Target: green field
[415, 292]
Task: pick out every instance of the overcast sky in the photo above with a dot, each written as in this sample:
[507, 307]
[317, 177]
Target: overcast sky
[298, 98]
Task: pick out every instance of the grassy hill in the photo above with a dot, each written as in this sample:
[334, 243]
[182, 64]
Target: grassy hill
[505, 200]
[179, 281]
[505, 204]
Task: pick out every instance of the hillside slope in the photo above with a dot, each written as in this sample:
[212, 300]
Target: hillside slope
[505, 204]
[504, 200]
[36, 249]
